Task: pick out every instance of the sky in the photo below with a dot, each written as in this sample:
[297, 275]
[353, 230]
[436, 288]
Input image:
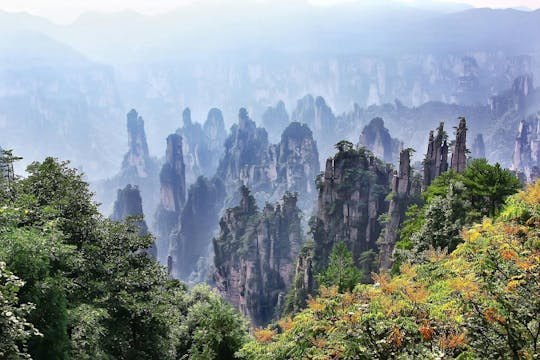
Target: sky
[65, 11]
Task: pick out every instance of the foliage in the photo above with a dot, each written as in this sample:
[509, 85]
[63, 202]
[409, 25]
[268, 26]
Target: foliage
[482, 301]
[341, 271]
[95, 291]
[15, 330]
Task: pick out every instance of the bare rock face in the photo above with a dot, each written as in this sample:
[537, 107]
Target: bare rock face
[459, 152]
[248, 158]
[255, 253]
[138, 168]
[377, 139]
[173, 194]
[275, 119]
[214, 129]
[515, 99]
[352, 193]
[526, 157]
[320, 119]
[436, 160]
[191, 241]
[478, 148]
[137, 157]
[129, 204]
[297, 162]
[401, 188]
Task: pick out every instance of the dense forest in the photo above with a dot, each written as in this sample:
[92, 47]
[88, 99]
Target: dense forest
[464, 282]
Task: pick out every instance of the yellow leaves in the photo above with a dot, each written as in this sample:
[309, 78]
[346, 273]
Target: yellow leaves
[417, 294]
[264, 336]
[508, 254]
[286, 324]
[531, 195]
[466, 285]
[396, 337]
[328, 292]
[316, 304]
[319, 342]
[383, 281]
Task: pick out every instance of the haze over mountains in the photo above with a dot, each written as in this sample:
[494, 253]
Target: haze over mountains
[66, 88]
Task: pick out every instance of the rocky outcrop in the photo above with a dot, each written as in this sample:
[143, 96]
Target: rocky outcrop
[297, 162]
[129, 204]
[173, 194]
[526, 156]
[320, 119]
[191, 241]
[214, 129]
[303, 283]
[401, 189]
[478, 148]
[459, 152]
[248, 158]
[515, 99]
[275, 119]
[255, 253]
[352, 193]
[377, 139]
[138, 169]
[436, 160]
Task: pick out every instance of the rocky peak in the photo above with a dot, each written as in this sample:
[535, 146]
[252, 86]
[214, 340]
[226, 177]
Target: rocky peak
[247, 159]
[297, 159]
[137, 156]
[459, 152]
[436, 160]
[352, 193]
[523, 85]
[401, 188]
[186, 117]
[526, 157]
[214, 128]
[377, 139]
[275, 119]
[478, 148]
[172, 176]
[254, 255]
[129, 204]
[191, 240]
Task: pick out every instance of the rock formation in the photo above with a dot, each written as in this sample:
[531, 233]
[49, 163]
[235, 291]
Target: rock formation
[436, 160]
[478, 148]
[401, 187]
[275, 119]
[459, 152]
[129, 204]
[197, 156]
[247, 159]
[515, 99]
[352, 193]
[303, 283]
[191, 240]
[173, 194]
[138, 168]
[297, 162]
[255, 253]
[526, 157]
[214, 129]
[377, 139]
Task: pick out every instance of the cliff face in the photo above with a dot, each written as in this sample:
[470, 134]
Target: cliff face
[138, 168]
[515, 99]
[136, 159]
[459, 152]
[214, 129]
[173, 194]
[297, 161]
[129, 203]
[377, 139]
[478, 148]
[275, 119]
[436, 160]
[352, 193]
[526, 157]
[254, 255]
[401, 189]
[191, 240]
[247, 159]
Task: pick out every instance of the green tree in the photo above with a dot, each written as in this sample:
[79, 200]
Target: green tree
[15, 330]
[341, 271]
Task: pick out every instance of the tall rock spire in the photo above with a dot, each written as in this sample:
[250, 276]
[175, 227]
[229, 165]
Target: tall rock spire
[459, 153]
[172, 176]
[137, 156]
[436, 161]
